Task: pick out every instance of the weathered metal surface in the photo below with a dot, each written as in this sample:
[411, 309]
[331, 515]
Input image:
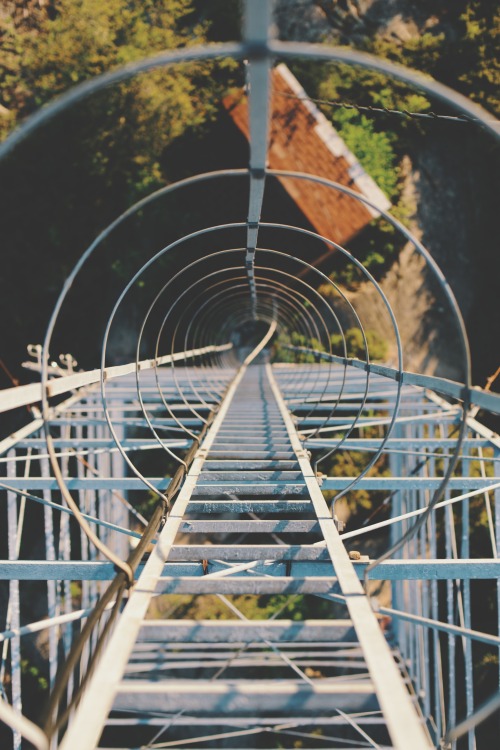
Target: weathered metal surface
[259, 696]
[238, 631]
[386, 484]
[248, 468]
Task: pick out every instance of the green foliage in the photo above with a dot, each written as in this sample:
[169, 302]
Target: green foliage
[34, 676]
[422, 52]
[75, 588]
[479, 77]
[282, 354]
[465, 57]
[345, 463]
[376, 248]
[377, 345]
[374, 149]
[354, 346]
[460, 49]
[376, 142]
[225, 18]
[87, 37]
[210, 607]
[373, 146]
[82, 170]
[125, 130]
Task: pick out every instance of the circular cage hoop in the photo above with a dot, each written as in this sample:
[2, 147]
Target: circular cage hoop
[240, 51]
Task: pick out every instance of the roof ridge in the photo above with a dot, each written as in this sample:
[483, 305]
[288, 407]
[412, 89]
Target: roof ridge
[336, 145]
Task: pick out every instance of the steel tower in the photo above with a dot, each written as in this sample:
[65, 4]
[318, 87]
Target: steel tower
[384, 651]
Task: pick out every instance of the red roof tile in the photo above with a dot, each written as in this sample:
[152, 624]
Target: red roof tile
[303, 140]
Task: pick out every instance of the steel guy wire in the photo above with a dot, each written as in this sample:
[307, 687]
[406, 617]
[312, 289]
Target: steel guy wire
[69, 511]
[385, 110]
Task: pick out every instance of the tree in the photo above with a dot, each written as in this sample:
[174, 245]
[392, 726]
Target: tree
[82, 170]
[130, 124]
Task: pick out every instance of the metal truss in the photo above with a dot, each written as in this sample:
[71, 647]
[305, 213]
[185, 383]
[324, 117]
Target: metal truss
[191, 480]
[253, 466]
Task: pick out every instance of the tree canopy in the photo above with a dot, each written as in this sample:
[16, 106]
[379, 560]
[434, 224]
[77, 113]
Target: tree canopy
[86, 167]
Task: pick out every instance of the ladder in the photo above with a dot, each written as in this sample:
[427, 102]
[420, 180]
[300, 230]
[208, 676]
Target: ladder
[251, 479]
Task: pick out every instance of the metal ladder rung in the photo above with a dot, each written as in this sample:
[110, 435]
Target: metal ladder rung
[214, 475]
[260, 505]
[240, 631]
[281, 489]
[253, 584]
[230, 526]
[231, 452]
[250, 465]
[262, 696]
[247, 552]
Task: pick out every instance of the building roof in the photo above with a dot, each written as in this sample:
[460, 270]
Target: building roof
[303, 140]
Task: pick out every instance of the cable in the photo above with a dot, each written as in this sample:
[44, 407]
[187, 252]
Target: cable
[384, 110]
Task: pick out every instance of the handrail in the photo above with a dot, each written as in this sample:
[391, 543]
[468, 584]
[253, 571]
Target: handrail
[454, 389]
[23, 395]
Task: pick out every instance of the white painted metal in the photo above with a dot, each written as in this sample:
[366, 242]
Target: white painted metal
[402, 721]
[23, 726]
[87, 725]
[12, 398]
[282, 568]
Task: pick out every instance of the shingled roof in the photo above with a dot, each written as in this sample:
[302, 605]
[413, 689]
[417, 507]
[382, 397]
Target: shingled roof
[303, 140]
